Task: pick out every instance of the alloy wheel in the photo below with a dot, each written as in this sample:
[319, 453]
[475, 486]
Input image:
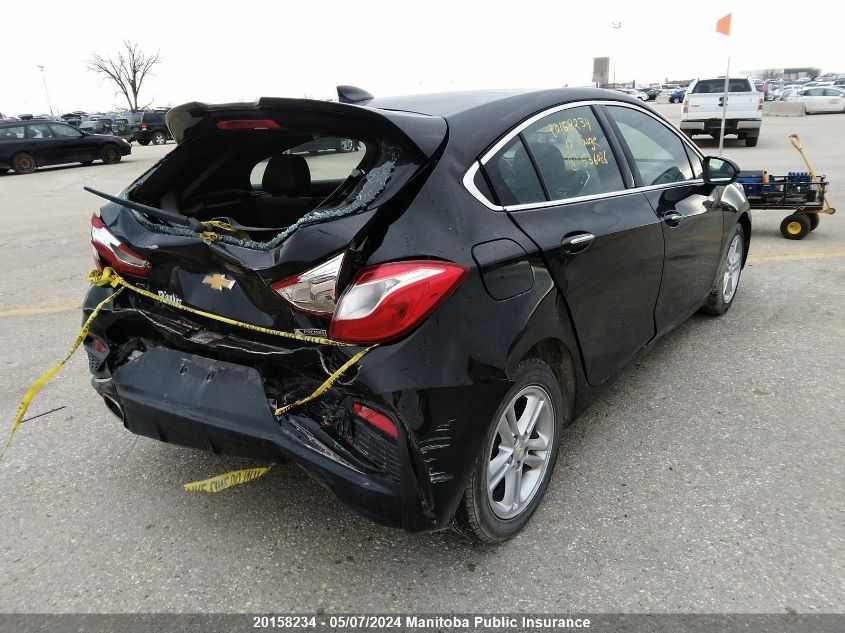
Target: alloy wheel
[520, 452]
[733, 266]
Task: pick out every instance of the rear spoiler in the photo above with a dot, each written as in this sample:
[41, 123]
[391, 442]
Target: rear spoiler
[422, 131]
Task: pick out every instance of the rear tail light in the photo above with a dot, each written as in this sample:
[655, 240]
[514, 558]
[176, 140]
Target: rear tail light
[685, 109]
[110, 251]
[314, 291]
[760, 103]
[385, 301]
[376, 419]
[248, 124]
[143, 126]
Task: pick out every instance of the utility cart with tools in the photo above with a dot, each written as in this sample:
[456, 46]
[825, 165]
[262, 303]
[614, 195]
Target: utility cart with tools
[803, 193]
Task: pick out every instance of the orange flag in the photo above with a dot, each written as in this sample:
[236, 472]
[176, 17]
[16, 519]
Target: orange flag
[723, 26]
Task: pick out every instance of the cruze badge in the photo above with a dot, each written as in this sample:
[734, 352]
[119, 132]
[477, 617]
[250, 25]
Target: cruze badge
[218, 282]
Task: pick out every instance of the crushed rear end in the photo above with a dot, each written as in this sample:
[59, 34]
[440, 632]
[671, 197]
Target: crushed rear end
[268, 213]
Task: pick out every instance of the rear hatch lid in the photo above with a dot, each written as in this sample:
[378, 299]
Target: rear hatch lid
[280, 186]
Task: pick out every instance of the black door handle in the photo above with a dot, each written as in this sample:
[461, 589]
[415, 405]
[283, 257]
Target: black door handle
[672, 218]
[576, 243]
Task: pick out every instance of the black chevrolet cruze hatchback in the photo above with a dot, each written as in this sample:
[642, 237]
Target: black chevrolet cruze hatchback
[412, 322]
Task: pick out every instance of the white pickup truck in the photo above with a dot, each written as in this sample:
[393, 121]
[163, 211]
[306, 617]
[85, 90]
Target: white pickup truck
[702, 109]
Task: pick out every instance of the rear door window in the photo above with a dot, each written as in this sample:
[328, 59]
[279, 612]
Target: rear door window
[38, 130]
[513, 176]
[572, 154]
[659, 154]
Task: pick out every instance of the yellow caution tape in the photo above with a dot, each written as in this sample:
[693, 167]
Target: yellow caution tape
[35, 388]
[108, 277]
[227, 480]
[327, 384]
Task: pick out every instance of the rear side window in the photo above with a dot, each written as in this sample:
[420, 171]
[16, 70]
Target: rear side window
[513, 176]
[38, 130]
[659, 154]
[831, 92]
[10, 133]
[572, 154]
[713, 86]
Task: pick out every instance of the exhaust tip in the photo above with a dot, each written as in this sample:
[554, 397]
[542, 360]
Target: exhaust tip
[114, 407]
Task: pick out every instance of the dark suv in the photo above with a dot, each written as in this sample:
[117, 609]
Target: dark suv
[412, 322]
[144, 127]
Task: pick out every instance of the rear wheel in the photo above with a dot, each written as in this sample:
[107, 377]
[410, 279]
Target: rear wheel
[814, 220]
[751, 141]
[146, 141]
[159, 138]
[517, 458]
[23, 163]
[795, 227]
[727, 277]
[346, 145]
[110, 154]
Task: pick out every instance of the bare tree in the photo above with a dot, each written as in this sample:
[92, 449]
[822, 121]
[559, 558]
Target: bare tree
[127, 71]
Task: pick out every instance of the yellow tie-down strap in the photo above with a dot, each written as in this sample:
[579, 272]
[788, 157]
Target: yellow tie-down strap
[108, 277]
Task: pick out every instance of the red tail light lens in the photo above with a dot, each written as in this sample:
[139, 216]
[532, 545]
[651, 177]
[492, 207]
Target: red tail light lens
[248, 124]
[378, 420]
[314, 291]
[143, 126]
[384, 302]
[110, 251]
[686, 105]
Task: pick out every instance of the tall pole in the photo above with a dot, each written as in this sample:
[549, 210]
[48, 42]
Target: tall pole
[615, 26]
[46, 92]
[724, 106]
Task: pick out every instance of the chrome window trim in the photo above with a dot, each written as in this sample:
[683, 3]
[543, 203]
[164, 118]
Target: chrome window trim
[469, 176]
[469, 185]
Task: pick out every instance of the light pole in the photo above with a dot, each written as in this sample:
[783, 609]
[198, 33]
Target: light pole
[615, 26]
[46, 92]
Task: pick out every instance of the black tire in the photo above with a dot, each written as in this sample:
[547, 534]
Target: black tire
[814, 220]
[475, 516]
[717, 301]
[751, 141]
[158, 138]
[145, 142]
[23, 163]
[795, 227]
[110, 154]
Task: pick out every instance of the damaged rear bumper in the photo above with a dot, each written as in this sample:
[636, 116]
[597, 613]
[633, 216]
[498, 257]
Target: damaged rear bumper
[169, 378]
[221, 407]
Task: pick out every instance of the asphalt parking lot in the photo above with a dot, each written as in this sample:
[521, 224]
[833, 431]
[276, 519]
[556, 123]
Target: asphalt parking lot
[709, 478]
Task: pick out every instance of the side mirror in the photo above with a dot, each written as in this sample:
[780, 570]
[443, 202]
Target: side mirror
[719, 170]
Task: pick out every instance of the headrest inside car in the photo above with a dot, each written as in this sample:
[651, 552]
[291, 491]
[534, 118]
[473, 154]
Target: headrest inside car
[286, 175]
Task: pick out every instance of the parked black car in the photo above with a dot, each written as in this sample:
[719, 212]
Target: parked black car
[508, 252]
[144, 127]
[27, 145]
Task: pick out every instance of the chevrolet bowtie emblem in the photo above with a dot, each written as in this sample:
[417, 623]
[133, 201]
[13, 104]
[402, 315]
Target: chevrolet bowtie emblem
[218, 282]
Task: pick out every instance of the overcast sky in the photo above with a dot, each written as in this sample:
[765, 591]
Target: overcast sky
[229, 51]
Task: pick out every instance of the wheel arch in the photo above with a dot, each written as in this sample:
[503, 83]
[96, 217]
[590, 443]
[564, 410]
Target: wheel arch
[744, 220]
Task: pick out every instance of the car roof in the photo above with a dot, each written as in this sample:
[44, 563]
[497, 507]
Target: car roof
[477, 118]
